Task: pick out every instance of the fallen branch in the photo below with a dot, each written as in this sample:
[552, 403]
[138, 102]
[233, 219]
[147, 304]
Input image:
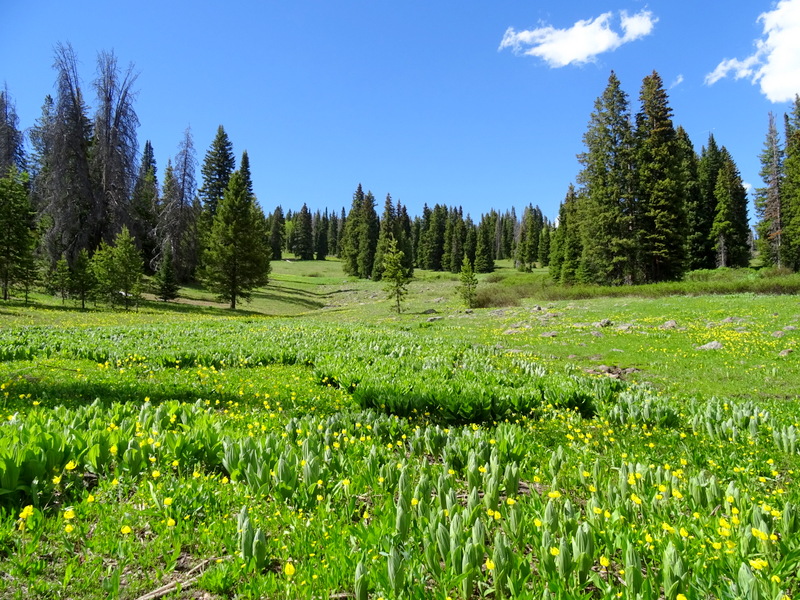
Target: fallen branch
[185, 583]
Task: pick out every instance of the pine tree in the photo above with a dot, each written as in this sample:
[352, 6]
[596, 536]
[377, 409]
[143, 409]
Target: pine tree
[277, 230]
[166, 283]
[661, 224]
[82, 283]
[468, 284]
[689, 165]
[320, 224]
[607, 200]
[68, 194]
[730, 230]
[237, 259]
[144, 205]
[117, 269]
[180, 211]
[571, 241]
[16, 235]
[368, 231]
[303, 247]
[218, 166]
[768, 198]
[351, 239]
[12, 152]
[388, 232]
[790, 196]
[395, 275]
[544, 246]
[700, 216]
[483, 249]
[59, 279]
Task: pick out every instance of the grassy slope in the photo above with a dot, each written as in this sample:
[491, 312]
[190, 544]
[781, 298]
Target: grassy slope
[557, 332]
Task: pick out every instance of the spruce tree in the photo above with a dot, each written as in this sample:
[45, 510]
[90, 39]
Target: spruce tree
[237, 259]
[144, 206]
[700, 216]
[82, 283]
[16, 234]
[395, 276]
[571, 242]
[128, 268]
[277, 231]
[387, 233]
[483, 249]
[468, 284]
[544, 246]
[166, 283]
[730, 230]
[661, 223]
[768, 198]
[12, 152]
[218, 166]
[351, 239]
[790, 197]
[368, 231]
[303, 247]
[689, 164]
[321, 226]
[606, 221]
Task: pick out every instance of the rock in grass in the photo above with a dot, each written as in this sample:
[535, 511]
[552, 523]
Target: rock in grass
[786, 352]
[715, 345]
[602, 323]
[550, 334]
[433, 319]
[778, 334]
[670, 325]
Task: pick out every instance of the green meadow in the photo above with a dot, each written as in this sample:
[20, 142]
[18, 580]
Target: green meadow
[315, 444]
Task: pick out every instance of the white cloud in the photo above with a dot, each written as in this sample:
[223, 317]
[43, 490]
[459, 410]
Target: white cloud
[775, 64]
[677, 82]
[582, 42]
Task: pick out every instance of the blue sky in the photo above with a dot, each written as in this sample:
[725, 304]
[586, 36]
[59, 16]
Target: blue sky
[479, 104]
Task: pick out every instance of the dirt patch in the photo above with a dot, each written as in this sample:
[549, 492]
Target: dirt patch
[612, 371]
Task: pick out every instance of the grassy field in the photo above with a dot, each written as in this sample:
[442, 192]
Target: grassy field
[316, 445]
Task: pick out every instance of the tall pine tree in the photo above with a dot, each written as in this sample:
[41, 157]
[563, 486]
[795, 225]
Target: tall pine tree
[730, 231]
[768, 198]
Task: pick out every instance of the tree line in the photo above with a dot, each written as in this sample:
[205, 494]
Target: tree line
[646, 207]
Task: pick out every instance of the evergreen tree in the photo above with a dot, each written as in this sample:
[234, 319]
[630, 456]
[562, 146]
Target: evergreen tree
[395, 275]
[218, 165]
[12, 153]
[237, 259]
[730, 230]
[320, 224]
[571, 240]
[661, 226]
[608, 206]
[333, 234]
[277, 230]
[59, 279]
[303, 247]
[41, 138]
[556, 258]
[768, 198]
[423, 226]
[117, 269]
[244, 169]
[166, 283]
[790, 192]
[368, 231]
[145, 207]
[470, 240]
[543, 254]
[81, 278]
[468, 284]
[16, 234]
[700, 215]
[180, 211]
[689, 165]
[68, 194]
[388, 232]
[351, 239]
[483, 249]
[457, 240]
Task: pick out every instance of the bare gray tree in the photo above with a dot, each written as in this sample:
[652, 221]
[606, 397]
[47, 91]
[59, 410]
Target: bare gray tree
[115, 144]
[180, 209]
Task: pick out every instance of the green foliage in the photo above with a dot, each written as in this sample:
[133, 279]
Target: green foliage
[730, 231]
[16, 234]
[117, 270]
[303, 238]
[82, 283]
[237, 259]
[166, 283]
[218, 166]
[395, 275]
[469, 284]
